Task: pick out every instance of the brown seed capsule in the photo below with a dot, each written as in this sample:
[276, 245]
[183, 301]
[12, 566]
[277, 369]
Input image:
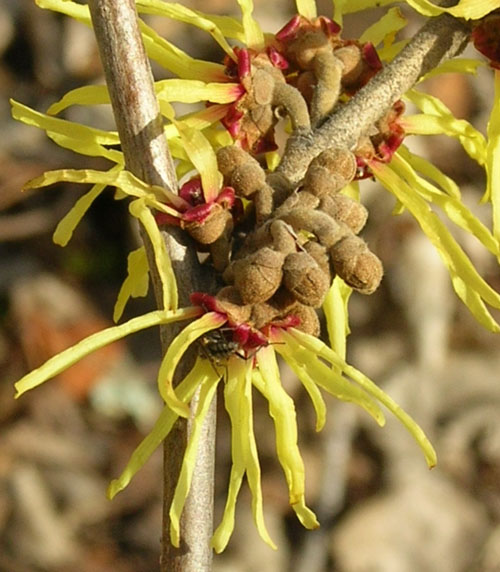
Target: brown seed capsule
[277, 307]
[248, 178]
[303, 277]
[258, 276]
[230, 301]
[352, 60]
[284, 238]
[340, 162]
[262, 86]
[211, 228]
[319, 253]
[346, 210]
[298, 199]
[306, 82]
[320, 181]
[230, 157]
[327, 230]
[304, 48]
[309, 321]
[356, 264]
[220, 249]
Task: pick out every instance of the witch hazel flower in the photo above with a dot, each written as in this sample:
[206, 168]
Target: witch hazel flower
[303, 251]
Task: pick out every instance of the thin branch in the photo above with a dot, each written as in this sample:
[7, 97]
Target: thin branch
[140, 125]
[439, 40]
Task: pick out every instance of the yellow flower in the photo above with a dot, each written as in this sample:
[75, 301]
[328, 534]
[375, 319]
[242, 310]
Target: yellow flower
[231, 351]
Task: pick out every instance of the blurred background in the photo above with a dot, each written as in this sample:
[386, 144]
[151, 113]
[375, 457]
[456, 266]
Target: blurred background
[381, 510]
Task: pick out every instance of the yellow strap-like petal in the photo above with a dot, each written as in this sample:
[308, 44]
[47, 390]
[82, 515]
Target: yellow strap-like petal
[232, 391]
[337, 315]
[351, 6]
[330, 379]
[181, 13]
[139, 210]
[493, 158]
[300, 367]
[320, 349]
[175, 351]
[124, 180]
[468, 9]
[79, 138]
[203, 157]
[430, 171]
[177, 61]
[254, 37]
[282, 410]
[136, 284]
[161, 429]
[205, 397]
[436, 118]
[307, 8]
[249, 448]
[66, 226]
[68, 357]
[456, 211]
[451, 253]
[387, 26]
[457, 65]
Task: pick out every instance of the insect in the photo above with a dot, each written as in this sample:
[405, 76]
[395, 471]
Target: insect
[219, 345]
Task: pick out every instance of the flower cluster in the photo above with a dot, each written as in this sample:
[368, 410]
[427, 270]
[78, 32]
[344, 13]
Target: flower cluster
[279, 251]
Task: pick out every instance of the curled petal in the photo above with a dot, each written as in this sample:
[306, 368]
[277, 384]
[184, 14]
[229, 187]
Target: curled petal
[468, 284]
[199, 374]
[321, 350]
[208, 385]
[238, 401]
[175, 351]
[66, 226]
[282, 410]
[139, 210]
[254, 37]
[136, 283]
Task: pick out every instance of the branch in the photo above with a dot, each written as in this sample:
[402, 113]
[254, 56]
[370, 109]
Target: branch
[140, 126]
[439, 40]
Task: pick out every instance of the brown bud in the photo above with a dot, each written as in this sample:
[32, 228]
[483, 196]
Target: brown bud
[319, 253]
[344, 209]
[283, 237]
[298, 199]
[304, 48]
[262, 86]
[356, 264]
[320, 181]
[327, 230]
[304, 279]
[230, 157]
[309, 321]
[230, 300]
[258, 276]
[351, 58]
[247, 178]
[306, 82]
[211, 228]
[276, 307]
[340, 162]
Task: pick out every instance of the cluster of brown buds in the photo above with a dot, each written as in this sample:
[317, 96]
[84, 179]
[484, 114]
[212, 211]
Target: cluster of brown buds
[276, 246]
[285, 265]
